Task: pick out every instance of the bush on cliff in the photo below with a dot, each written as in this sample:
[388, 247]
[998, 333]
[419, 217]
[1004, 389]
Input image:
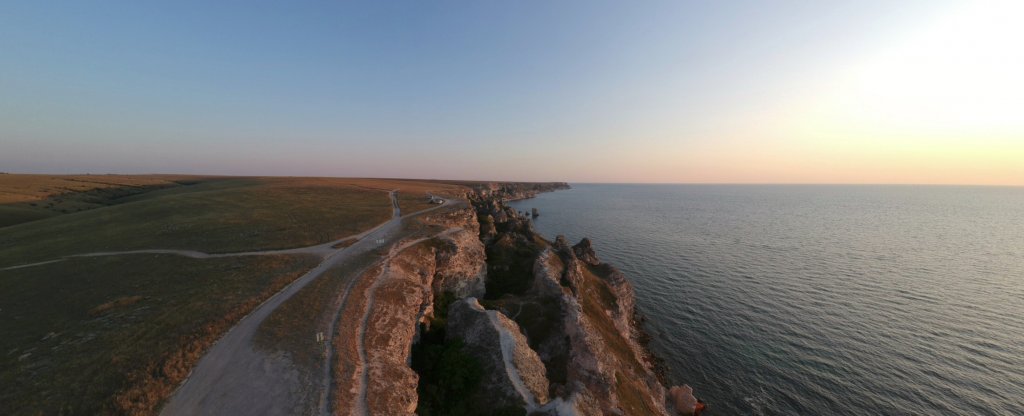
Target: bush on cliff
[448, 377]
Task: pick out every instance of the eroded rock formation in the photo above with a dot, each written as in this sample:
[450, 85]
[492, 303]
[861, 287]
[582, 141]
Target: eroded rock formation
[576, 313]
[498, 320]
[392, 302]
[513, 373]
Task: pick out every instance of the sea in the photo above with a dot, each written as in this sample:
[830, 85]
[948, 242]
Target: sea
[819, 300]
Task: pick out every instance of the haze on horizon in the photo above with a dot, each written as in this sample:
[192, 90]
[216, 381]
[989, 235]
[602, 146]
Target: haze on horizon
[924, 92]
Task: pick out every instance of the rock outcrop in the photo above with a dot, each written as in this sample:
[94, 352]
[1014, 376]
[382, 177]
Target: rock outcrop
[681, 400]
[585, 252]
[510, 191]
[556, 331]
[578, 314]
[396, 298]
[459, 254]
[513, 373]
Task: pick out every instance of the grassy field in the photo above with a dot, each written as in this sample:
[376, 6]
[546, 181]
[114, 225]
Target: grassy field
[316, 306]
[311, 309]
[412, 195]
[115, 335]
[291, 326]
[25, 198]
[217, 216]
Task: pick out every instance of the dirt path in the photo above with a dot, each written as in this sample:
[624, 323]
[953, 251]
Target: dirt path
[361, 405]
[234, 378]
[360, 408]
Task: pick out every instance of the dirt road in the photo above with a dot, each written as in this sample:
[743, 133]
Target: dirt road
[235, 378]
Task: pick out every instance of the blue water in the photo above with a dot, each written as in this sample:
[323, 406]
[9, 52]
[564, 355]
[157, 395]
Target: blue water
[820, 300]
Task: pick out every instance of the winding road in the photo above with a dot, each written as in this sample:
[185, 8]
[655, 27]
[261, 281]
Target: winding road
[234, 378]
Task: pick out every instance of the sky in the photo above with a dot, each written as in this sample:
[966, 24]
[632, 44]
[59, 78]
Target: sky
[919, 92]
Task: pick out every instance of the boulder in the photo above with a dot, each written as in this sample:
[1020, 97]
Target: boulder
[585, 252]
[681, 400]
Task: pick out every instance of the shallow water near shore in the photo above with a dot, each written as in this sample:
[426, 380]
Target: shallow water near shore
[818, 300]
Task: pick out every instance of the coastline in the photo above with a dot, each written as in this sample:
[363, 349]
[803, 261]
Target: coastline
[607, 365]
[644, 337]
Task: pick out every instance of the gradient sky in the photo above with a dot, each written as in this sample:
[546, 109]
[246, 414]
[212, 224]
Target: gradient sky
[587, 91]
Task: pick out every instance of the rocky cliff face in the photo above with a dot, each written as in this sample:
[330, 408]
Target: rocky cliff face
[510, 191]
[395, 300]
[513, 373]
[502, 321]
[576, 313]
[460, 267]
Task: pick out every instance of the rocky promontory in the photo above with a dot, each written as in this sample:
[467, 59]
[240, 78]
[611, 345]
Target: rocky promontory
[553, 332]
[511, 191]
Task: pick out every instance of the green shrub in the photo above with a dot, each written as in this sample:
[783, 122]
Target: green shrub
[449, 379]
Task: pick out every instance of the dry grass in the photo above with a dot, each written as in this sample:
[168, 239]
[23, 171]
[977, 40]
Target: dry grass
[218, 216]
[116, 303]
[25, 198]
[291, 327]
[346, 365]
[345, 243]
[157, 314]
[115, 335]
[412, 194]
[314, 308]
[17, 188]
[596, 298]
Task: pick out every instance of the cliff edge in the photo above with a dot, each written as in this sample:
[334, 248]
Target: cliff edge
[554, 332]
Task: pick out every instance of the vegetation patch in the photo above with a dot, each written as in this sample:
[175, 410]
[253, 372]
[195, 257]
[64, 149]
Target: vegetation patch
[595, 298]
[25, 198]
[156, 316]
[116, 303]
[441, 304]
[293, 326]
[509, 266]
[450, 380]
[449, 377]
[218, 217]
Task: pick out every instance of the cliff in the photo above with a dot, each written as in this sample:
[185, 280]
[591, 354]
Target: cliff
[510, 191]
[502, 322]
[393, 302]
[555, 332]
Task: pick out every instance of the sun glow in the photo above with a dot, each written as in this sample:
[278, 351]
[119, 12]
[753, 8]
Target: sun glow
[946, 99]
[960, 74]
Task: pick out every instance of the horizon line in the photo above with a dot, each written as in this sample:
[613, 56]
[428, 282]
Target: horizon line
[522, 181]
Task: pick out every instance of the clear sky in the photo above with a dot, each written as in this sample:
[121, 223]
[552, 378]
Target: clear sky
[584, 91]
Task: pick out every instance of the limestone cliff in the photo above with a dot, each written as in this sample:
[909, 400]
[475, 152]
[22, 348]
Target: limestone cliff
[513, 373]
[485, 317]
[510, 191]
[576, 313]
[396, 298]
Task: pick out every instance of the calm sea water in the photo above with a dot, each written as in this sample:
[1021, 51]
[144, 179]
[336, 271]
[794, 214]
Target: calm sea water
[820, 300]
